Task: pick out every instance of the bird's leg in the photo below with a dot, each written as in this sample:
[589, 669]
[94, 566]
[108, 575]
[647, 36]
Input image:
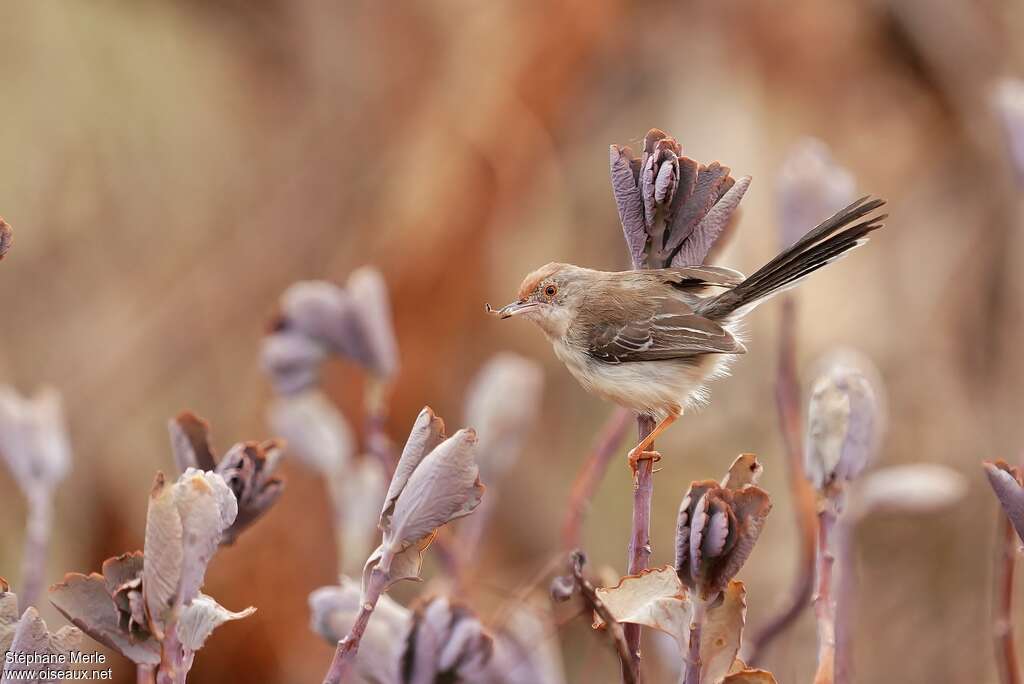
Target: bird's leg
[640, 450]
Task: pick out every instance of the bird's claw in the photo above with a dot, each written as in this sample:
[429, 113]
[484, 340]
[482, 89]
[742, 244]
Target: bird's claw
[634, 458]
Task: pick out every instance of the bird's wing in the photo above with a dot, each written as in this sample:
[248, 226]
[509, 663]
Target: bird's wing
[668, 329]
[698, 277]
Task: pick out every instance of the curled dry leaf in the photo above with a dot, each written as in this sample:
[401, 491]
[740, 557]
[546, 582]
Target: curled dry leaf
[314, 430]
[722, 632]
[202, 616]
[292, 360]
[916, 488]
[446, 642]
[184, 526]
[749, 676]
[32, 637]
[717, 528]
[247, 468]
[33, 439]
[427, 433]
[1006, 482]
[85, 600]
[502, 404]
[672, 208]
[333, 610]
[655, 598]
[811, 187]
[6, 237]
[842, 425]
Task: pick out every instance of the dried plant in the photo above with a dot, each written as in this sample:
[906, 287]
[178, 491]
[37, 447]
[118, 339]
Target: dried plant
[34, 445]
[247, 468]
[6, 236]
[810, 187]
[673, 211]
[36, 654]
[148, 605]
[436, 481]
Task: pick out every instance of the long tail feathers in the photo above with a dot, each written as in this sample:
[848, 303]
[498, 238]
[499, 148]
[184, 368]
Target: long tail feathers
[819, 247]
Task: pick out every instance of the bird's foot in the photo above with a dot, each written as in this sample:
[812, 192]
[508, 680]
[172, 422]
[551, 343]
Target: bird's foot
[634, 458]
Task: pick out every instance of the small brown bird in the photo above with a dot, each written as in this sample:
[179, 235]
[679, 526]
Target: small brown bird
[650, 340]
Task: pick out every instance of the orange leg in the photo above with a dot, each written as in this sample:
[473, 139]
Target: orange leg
[637, 452]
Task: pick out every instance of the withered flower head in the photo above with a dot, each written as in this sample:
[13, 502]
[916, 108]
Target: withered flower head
[6, 235]
[352, 321]
[34, 440]
[843, 424]
[673, 209]
[811, 187]
[717, 527]
[436, 481]
[247, 468]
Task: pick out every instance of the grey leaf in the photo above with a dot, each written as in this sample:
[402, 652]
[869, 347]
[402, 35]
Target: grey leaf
[201, 617]
[694, 250]
[207, 507]
[446, 639]
[427, 432]
[1006, 484]
[628, 202]
[292, 360]
[84, 601]
[163, 552]
[369, 296]
[314, 430]
[31, 636]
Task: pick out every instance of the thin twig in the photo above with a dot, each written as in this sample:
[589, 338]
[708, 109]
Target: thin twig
[844, 600]
[630, 672]
[145, 674]
[788, 402]
[1002, 602]
[591, 474]
[692, 664]
[824, 605]
[640, 538]
[345, 653]
[37, 537]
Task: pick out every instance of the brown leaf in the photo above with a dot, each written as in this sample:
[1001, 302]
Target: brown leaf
[744, 470]
[84, 601]
[190, 442]
[723, 632]
[247, 469]
[750, 677]
[654, 598]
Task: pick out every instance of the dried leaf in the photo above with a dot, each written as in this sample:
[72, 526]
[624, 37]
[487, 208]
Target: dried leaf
[405, 565]
[85, 601]
[33, 439]
[201, 617]
[369, 296]
[292, 360]
[744, 470]
[694, 250]
[722, 633]
[629, 203]
[324, 312]
[356, 494]
[446, 639]
[427, 433]
[207, 507]
[32, 637]
[314, 430]
[8, 617]
[443, 487]
[247, 469]
[916, 488]
[842, 425]
[190, 442]
[122, 577]
[502, 404]
[333, 611]
[654, 598]
[811, 187]
[1006, 483]
[750, 677]
[163, 551]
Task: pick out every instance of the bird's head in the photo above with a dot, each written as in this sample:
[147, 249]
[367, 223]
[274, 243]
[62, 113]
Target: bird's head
[550, 297]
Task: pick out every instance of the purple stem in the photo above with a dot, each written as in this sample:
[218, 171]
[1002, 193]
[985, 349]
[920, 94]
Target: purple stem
[37, 537]
[345, 653]
[640, 538]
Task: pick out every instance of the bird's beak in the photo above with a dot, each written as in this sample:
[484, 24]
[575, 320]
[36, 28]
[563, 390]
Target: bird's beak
[510, 310]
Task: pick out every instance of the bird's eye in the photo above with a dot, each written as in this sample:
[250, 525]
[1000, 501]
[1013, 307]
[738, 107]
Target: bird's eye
[550, 290]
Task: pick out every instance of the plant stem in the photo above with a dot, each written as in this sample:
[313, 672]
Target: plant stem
[824, 605]
[630, 670]
[37, 537]
[640, 539]
[377, 442]
[145, 674]
[788, 407]
[692, 663]
[345, 653]
[591, 474]
[174, 661]
[1002, 602]
[845, 589]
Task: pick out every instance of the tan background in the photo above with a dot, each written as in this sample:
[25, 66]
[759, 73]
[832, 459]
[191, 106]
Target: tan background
[170, 168]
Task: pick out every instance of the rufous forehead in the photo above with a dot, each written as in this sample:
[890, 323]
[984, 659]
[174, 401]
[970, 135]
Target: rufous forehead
[531, 281]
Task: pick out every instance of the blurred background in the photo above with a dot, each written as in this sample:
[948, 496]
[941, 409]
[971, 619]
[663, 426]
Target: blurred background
[169, 168]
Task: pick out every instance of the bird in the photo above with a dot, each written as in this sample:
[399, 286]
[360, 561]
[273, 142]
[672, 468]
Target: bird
[651, 340]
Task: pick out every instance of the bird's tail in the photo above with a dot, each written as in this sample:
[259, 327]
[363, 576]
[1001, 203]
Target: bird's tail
[819, 247]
